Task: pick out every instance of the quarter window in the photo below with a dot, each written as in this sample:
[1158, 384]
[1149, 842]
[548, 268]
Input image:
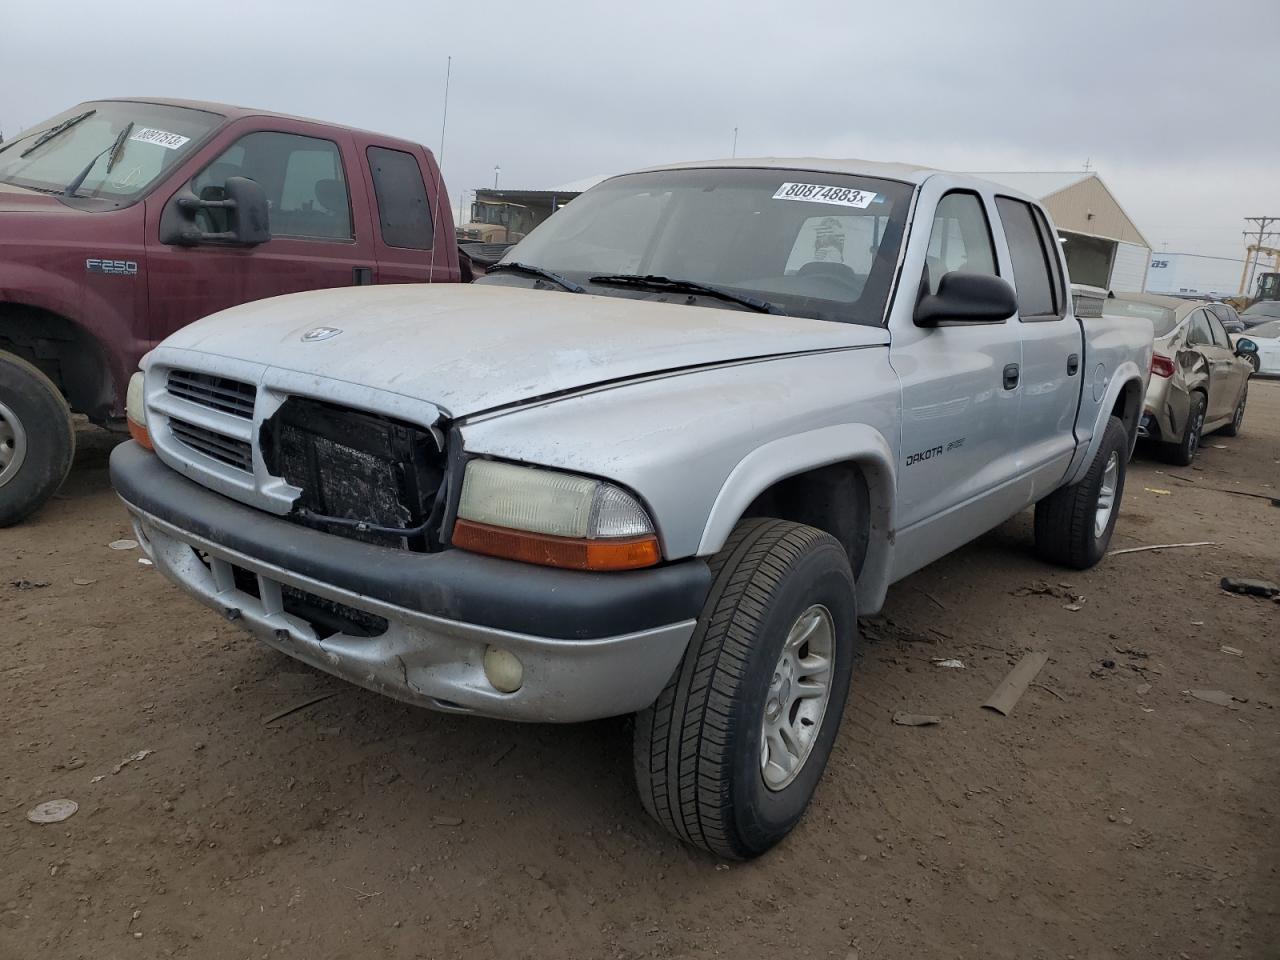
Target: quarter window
[960, 241]
[1198, 333]
[1031, 276]
[302, 177]
[404, 212]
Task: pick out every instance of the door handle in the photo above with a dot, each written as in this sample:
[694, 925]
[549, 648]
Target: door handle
[1010, 376]
[361, 276]
[1073, 364]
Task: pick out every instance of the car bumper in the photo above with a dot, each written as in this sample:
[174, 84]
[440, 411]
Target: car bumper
[591, 645]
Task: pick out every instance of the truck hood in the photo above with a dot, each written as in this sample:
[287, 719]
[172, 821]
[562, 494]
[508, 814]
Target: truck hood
[467, 348]
[15, 199]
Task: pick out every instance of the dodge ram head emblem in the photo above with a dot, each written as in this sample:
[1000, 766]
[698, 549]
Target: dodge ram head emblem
[320, 333]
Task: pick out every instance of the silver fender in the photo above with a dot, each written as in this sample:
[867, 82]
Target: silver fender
[1125, 374]
[788, 456]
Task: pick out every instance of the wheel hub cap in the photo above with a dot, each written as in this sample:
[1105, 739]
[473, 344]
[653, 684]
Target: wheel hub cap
[797, 697]
[1107, 494]
[13, 444]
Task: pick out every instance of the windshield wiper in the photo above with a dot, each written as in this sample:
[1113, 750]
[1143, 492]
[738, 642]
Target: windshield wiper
[542, 272]
[52, 132]
[654, 282]
[114, 151]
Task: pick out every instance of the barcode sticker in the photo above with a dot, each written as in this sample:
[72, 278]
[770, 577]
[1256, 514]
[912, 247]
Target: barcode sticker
[161, 138]
[821, 193]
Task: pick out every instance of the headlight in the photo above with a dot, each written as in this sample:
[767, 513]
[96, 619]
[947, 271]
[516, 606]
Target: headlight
[136, 411]
[552, 518]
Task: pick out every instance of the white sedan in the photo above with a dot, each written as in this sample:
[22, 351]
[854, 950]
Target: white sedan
[1266, 337]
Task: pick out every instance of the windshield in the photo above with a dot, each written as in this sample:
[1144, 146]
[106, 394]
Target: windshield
[1162, 318]
[160, 137]
[818, 245]
[1266, 308]
[1265, 331]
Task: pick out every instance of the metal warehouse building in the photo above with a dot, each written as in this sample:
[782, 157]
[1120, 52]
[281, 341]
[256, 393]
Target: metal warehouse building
[1104, 247]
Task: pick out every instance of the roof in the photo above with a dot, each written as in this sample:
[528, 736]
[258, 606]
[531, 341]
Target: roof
[232, 112]
[867, 168]
[1038, 184]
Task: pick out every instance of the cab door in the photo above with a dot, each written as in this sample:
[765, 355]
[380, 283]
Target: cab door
[1051, 346]
[961, 389]
[1226, 373]
[318, 216]
[410, 242]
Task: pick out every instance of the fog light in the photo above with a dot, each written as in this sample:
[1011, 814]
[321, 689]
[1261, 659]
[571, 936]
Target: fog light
[503, 670]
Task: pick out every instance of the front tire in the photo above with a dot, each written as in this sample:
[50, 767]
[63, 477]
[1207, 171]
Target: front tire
[1074, 523]
[729, 755]
[1232, 429]
[37, 440]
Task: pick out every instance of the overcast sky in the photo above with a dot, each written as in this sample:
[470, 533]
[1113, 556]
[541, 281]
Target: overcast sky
[1173, 103]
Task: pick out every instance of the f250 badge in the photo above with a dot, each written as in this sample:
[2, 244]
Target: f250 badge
[116, 268]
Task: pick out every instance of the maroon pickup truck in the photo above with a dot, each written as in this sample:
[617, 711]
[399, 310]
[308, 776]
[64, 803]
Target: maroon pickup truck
[123, 220]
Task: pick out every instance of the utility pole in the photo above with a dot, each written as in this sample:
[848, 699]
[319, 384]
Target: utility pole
[1258, 237]
[735, 143]
[496, 170]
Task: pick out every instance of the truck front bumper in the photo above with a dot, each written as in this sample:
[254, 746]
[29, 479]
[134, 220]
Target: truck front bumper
[591, 645]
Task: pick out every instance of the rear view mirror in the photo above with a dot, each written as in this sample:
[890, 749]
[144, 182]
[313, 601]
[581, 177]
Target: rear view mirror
[242, 212]
[967, 298]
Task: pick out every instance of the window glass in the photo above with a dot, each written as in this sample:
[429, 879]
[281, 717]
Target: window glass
[849, 240]
[1219, 334]
[1053, 249]
[1224, 312]
[302, 177]
[404, 212]
[961, 239]
[1030, 267]
[1265, 331]
[1198, 329]
[812, 245]
[122, 148]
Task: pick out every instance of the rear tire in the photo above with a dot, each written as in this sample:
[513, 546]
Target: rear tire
[1232, 429]
[1184, 451]
[712, 763]
[37, 440]
[1071, 528]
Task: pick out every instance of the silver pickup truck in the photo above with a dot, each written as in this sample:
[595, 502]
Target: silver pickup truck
[657, 462]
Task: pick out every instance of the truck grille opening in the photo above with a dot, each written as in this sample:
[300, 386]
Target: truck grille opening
[326, 617]
[355, 466]
[219, 393]
[229, 450]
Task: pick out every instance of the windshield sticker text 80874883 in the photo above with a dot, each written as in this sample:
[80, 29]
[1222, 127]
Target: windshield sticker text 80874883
[820, 193]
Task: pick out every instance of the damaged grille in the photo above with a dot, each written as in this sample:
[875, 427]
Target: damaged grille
[356, 467]
[219, 393]
[229, 450]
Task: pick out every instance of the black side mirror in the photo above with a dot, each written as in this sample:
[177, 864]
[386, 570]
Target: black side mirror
[967, 298]
[247, 216]
[1246, 348]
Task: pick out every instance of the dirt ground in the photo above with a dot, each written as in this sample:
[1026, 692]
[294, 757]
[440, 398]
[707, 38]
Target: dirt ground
[1111, 815]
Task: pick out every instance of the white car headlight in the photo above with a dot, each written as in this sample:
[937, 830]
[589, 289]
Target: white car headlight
[552, 518]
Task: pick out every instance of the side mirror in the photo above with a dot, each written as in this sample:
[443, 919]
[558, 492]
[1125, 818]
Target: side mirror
[244, 211]
[1246, 348]
[967, 298]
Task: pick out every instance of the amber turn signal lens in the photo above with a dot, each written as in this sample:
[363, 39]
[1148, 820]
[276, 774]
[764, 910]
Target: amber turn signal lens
[139, 433]
[622, 553]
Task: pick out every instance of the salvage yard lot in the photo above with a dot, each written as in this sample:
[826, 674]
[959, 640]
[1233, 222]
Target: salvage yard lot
[1102, 818]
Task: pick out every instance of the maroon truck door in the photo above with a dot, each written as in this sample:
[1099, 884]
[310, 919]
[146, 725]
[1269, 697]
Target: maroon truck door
[320, 223]
[409, 215]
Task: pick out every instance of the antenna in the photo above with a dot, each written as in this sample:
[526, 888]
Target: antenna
[435, 215]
